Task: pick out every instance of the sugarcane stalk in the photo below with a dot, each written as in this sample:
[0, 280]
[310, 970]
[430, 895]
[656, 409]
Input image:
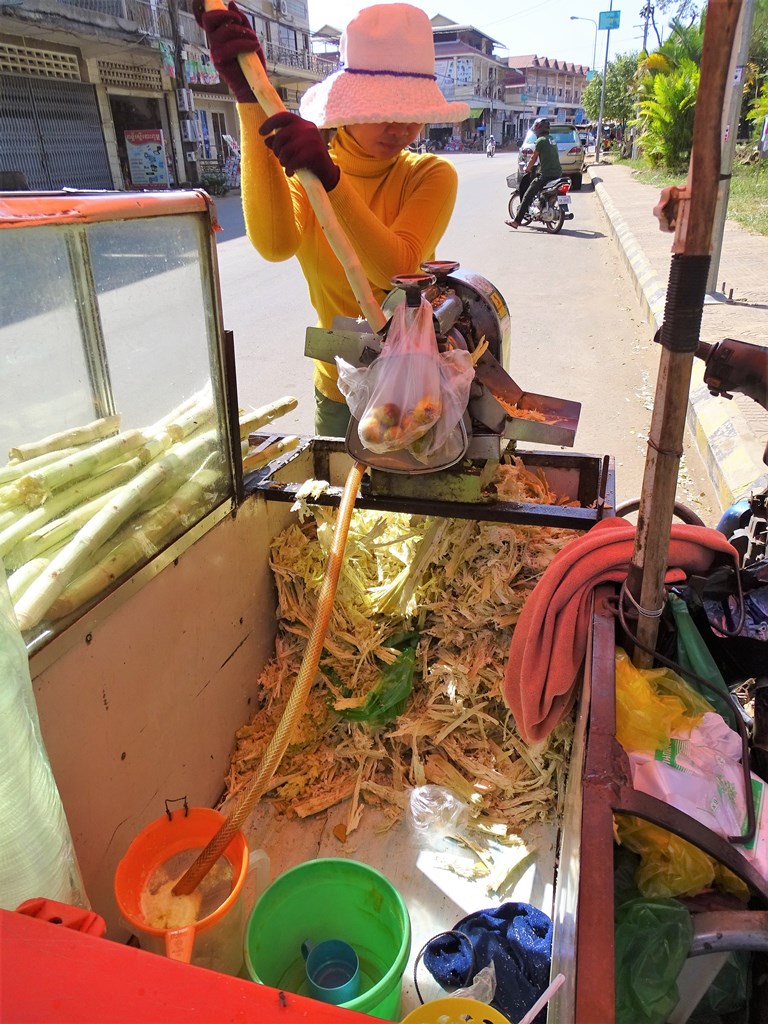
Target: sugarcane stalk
[85, 434]
[138, 542]
[64, 501]
[12, 514]
[257, 459]
[201, 397]
[35, 488]
[124, 503]
[253, 420]
[21, 580]
[56, 532]
[271, 103]
[34, 604]
[13, 470]
[194, 418]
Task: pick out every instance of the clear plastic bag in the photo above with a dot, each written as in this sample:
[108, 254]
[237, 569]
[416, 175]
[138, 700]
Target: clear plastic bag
[412, 396]
[436, 812]
[482, 988]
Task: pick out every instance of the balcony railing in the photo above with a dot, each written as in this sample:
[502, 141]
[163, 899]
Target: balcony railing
[151, 18]
[302, 60]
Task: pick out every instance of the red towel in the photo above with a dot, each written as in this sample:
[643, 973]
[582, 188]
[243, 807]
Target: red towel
[550, 638]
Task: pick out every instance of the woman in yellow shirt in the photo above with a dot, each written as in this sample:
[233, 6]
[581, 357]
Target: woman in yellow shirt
[394, 205]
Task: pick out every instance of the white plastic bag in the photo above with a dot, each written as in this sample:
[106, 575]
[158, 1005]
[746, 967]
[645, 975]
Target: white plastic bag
[37, 857]
[698, 772]
[412, 396]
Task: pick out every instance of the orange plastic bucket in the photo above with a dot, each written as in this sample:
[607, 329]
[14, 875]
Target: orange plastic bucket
[215, 941]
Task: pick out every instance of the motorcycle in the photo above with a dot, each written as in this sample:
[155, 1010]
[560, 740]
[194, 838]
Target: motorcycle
[551, 207]
[490, 148]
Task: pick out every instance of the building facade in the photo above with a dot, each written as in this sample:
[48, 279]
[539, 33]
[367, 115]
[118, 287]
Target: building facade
[123, 94]
[542, 87]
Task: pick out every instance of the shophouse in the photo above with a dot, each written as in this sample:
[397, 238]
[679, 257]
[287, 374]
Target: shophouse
[543, 87]
[123, 94]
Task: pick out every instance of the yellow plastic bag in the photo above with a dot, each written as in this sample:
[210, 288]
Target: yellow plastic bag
[670, 866]
[652, 705]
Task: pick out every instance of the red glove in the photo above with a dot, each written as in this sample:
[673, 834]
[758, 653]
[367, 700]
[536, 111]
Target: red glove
[298, 145]
[229, 34]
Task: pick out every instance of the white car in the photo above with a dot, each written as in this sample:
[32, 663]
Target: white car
[570, 149]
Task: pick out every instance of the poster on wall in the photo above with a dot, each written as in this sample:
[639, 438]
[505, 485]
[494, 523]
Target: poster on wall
[146, 157]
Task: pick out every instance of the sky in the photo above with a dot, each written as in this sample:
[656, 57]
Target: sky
[521, 26]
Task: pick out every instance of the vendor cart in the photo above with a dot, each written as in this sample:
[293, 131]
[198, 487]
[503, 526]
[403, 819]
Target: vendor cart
[142, 685]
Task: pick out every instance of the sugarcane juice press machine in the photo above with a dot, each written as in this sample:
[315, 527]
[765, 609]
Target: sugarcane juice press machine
[468, 312]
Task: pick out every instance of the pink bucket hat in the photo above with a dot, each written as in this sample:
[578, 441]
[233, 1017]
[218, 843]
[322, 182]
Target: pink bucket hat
[387, 73]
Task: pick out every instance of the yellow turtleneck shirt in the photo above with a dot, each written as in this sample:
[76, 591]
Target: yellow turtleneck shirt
[394, 212]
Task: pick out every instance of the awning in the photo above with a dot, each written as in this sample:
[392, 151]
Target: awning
[476, 111]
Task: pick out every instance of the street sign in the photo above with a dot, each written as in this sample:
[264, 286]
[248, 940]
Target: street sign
[609, 19]
[591, 74]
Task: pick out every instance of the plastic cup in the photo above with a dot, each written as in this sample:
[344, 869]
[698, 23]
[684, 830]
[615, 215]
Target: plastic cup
[333, 970]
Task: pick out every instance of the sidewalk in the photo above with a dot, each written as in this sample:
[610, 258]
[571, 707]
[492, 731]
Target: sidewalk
[731, 435]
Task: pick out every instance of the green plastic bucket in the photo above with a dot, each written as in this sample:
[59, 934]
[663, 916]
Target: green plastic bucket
[332, 898]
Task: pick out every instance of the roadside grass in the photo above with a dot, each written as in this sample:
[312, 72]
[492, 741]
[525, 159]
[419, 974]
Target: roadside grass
[748, 200]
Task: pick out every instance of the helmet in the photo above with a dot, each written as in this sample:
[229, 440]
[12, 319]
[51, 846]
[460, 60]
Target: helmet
[541, 124]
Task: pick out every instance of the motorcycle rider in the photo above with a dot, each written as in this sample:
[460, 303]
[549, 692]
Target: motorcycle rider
[490, 148]
[546, 155]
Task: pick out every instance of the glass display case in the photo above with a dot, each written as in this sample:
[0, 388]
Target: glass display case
[116, 432]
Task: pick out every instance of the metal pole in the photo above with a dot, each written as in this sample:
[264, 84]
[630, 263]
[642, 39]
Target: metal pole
[599, 139]
[577, 17]
[729, 131]
[646, 13]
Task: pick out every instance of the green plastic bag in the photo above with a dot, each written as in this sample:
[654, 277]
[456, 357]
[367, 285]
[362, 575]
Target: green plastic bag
[388, 698]
[652, 940]
[693, 654]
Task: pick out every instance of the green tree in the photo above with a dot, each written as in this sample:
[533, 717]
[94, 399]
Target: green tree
[666, 116]
[619, 104]
[684, 12]
[758, 43]
[759, 108]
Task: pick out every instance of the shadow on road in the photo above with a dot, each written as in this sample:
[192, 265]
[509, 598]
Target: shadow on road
[581, 233]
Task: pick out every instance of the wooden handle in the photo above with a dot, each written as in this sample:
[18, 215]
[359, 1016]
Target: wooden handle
[693, 238]
[270, 103]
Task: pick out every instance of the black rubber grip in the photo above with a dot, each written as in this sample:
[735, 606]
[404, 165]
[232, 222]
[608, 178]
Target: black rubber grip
[685, 302]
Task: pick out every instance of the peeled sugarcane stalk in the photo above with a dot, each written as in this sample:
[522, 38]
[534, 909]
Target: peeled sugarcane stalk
[67, 438]
[34, 604]
[271, 103]
[194, 418]
[257, 459]
[253, 420]
[12, 514]
[201, 397]
[16, 469]
[56, 532]
[64, 501]
[21, 580]
[35, 488]
[139, 541]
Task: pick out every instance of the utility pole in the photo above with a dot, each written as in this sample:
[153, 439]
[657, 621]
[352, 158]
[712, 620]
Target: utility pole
[729, 130]
[599, 138]
[646, 14]
[184, 103]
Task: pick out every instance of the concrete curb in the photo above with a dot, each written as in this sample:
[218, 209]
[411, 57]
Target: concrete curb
[732, 454]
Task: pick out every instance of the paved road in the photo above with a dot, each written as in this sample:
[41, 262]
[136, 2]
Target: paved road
[577, 329]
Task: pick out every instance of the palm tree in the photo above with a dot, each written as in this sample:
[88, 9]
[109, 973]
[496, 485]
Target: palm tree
[666, 116]
[666, 85]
